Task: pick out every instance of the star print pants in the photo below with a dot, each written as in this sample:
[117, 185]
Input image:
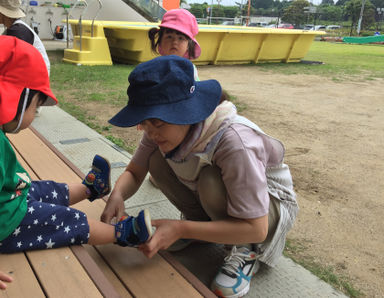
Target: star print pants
[49, 222]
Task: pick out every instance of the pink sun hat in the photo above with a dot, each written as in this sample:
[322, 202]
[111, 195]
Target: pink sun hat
[185, 22]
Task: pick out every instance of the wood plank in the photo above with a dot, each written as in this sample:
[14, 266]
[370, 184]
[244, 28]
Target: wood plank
[24, 282]
[50, 284]
[41, 158]
[120, 288]
[61, 274]
[146, 277]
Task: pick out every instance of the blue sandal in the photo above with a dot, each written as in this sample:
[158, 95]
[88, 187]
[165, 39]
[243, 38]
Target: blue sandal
[132, 231]
[98, 180]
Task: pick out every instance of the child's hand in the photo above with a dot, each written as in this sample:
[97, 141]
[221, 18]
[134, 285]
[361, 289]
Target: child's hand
[6, 278]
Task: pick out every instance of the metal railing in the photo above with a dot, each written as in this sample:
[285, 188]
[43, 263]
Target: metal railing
[150, 9]
[81, 18]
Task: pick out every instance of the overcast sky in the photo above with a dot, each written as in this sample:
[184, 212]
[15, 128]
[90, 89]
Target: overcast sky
[233, 2]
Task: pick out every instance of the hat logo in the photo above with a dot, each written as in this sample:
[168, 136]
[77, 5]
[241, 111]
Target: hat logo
[192, 89]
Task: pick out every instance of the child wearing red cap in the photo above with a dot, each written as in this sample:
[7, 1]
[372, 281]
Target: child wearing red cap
[36, 214]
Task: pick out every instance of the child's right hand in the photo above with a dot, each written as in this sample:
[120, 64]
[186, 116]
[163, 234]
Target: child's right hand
[6, 278]
[114, 209]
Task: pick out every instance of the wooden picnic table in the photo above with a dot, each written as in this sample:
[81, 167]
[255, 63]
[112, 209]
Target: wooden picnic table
[87, 271]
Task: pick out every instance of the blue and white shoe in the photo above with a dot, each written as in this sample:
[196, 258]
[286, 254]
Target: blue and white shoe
[98, 179]
[235, 275]
[132, 231]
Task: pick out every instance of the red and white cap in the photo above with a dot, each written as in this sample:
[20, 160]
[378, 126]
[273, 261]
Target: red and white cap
[21, 66]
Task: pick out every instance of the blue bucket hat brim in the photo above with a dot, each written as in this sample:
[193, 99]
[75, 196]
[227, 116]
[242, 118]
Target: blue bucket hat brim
[194, 109]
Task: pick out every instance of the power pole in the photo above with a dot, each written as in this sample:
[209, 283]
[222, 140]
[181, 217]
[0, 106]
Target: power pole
[360, 18]
[249, 11]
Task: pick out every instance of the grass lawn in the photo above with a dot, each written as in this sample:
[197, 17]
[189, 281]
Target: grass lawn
[341, 62]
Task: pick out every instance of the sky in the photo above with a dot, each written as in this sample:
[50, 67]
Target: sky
[233, 2]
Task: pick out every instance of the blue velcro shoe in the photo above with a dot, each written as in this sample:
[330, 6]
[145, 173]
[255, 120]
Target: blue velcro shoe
[132, 231]
[98, 180]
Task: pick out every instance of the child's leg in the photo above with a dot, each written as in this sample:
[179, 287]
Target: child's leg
[77, 193]
[47, 225]
[100, 233]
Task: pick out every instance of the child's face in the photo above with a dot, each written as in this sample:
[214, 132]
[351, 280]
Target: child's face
[28, 117]
[174, 43]
[166, 136]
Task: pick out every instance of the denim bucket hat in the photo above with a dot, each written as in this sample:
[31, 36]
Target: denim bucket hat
[164, 88]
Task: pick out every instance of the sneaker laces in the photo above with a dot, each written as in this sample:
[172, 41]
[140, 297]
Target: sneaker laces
[234, 261]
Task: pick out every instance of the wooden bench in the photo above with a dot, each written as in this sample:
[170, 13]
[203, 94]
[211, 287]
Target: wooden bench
[87, 271]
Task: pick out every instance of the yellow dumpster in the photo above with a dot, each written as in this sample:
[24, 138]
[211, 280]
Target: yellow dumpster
[128, 43]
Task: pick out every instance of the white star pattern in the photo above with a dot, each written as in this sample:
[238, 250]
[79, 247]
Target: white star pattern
[19, 244]
[36, 221]
[31, 209]
[16, 232]
[77, 215]
[50, 244]
[72, 240]
[54, 194]
[39, 238]
[30, 244]
[53, 217]
[67, 229]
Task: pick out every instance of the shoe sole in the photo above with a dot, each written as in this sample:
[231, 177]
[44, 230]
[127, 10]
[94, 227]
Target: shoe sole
[148, 224]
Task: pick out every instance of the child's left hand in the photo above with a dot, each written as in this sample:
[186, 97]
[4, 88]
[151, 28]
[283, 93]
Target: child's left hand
[167, 232]
[6, 278]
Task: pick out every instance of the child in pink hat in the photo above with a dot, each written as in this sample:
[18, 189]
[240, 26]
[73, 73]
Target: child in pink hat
[176, 35]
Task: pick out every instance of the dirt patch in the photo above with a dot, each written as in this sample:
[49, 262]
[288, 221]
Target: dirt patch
[334, 138]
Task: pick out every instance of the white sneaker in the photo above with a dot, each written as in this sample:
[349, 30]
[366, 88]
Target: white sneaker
[235, 275]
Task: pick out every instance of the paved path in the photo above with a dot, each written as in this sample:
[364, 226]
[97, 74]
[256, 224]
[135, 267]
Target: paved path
[79, 144]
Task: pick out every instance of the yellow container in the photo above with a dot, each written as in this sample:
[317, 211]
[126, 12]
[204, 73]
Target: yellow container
[128, 43]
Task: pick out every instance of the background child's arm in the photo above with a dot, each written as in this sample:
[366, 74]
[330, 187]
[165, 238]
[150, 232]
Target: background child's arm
[4, 278]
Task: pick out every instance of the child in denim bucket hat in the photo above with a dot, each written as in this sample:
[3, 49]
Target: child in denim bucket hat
[36, 214]
[224, 174]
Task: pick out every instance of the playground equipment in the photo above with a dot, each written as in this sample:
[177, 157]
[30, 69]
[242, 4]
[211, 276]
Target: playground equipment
[127, 42]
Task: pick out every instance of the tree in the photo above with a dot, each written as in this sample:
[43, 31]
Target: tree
[352, 10]
[294, 13]
[230, 11]
[331, 13]
[262, 4]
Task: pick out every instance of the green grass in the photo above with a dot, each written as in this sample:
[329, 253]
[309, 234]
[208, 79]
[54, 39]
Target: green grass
[341, 62]
[327, 273]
